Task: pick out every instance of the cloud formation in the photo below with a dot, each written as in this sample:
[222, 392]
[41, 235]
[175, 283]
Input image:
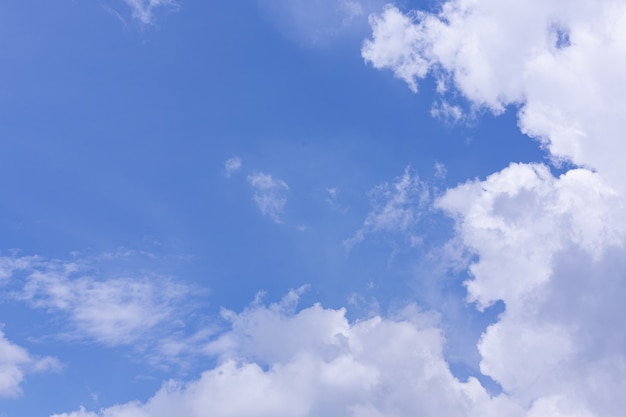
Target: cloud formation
[562, 63]
[15, 362]
[110, 310]
[269, 194]
[278, 362]
[549, 247]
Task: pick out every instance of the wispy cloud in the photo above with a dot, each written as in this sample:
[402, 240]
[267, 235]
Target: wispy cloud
[269, 194]
[320, 21]
[143, 10]
[332, 199]
[111, 310]
[15, 362]
[232, 165]
[396, 207]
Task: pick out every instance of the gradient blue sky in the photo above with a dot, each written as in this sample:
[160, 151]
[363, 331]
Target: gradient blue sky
[175, 172]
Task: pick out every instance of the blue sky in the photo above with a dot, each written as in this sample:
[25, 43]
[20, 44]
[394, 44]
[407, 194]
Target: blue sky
[296, 208]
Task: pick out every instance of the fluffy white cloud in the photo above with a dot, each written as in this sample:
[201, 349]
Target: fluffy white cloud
[517, 219]
[269, 194]
[113, 311]
[143, 10]
[277, 362]
[396, 207]
[563, 62]
[15, 362]
[550, 248]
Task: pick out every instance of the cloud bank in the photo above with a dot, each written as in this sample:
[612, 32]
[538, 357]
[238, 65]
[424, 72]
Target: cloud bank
[276, 362]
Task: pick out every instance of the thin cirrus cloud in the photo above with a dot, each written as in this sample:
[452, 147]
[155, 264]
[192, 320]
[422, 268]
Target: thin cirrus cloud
[396, 207]
[319, 22]
[269, 194]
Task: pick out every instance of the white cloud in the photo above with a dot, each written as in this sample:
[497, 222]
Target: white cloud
[10, 264]
[448, 113]
[231, 166]
[520, 217]
[269, 194]
[15, 362]
[278, 362]
[397, 207]
[550, 248]
[143, 10]
[113, 311]
[497, 53]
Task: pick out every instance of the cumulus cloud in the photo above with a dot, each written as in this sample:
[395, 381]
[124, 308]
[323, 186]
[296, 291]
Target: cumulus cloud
[143, 10]
[15, 362]
[269, 194]
[550, 247]
[314, 362]
[110, 310]
[563, 63]
[396, 207]
[232, 165]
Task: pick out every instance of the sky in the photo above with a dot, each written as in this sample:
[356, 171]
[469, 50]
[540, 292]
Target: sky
[312, 208]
